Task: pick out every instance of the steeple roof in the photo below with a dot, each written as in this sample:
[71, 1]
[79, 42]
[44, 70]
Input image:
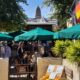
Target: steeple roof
[38, 12]
[39, 20]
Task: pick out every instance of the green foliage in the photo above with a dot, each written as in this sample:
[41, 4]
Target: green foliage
[62, 9]
[58, 50]
[11, 13]
[68, 49]
[60, 47]
[73, 52]
[6, 26]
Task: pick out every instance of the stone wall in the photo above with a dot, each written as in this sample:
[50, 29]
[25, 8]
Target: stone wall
[74, 67]
[3, 69]
[42, 65]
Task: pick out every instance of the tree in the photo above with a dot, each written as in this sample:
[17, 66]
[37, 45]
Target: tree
[11, 14]
[62, 9]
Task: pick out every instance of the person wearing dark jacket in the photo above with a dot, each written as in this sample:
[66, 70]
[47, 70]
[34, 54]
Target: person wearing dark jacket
[21, 50]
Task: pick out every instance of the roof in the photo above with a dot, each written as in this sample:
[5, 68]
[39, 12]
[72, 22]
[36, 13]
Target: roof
[42, 20]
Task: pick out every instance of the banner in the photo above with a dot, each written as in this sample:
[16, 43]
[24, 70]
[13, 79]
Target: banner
[77, 10]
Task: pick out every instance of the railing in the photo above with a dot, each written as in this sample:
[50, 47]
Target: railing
[23, 71]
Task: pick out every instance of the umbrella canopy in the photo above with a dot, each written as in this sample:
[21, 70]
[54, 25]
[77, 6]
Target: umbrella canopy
[5, 37]
[56, 35]
[35, 34]
[69, 33]
[16, 33]
[4, 32]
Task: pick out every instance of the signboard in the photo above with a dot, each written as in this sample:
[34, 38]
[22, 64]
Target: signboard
[69, 72]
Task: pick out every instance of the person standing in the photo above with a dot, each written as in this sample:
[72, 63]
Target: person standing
[2, 49]
[20, 51]
[7, 50]
[14, 49]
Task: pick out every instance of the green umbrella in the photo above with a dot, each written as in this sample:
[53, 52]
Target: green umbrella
[35, 34]
[16, 33]
[56, 35]
[69, 33]
[5, 37]
[4, 32]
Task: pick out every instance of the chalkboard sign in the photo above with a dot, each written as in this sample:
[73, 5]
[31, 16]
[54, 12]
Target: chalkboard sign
[69, 72]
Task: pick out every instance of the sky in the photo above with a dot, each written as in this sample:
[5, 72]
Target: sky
[30, 9]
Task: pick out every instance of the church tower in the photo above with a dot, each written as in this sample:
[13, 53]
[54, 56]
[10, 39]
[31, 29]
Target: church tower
[38, 12]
